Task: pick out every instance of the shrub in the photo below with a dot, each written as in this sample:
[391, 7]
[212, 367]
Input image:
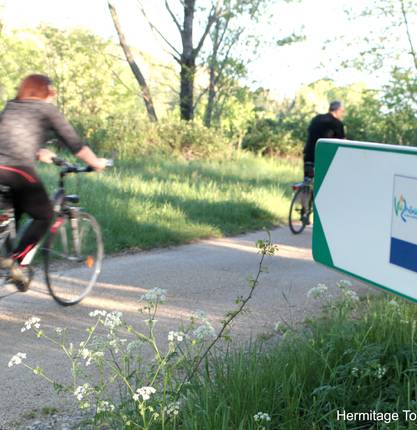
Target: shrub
[270, 137]
[127, 136]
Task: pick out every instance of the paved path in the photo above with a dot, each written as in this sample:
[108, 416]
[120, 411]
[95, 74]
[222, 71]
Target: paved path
[207, 275]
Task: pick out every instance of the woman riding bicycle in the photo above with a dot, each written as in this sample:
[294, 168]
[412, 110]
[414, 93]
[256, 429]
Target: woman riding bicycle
[24, 124]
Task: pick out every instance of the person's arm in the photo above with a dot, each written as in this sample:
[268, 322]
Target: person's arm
[67, 134]
[87, 155]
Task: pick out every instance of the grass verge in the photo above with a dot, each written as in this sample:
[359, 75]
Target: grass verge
[337, 362]
[150, 203]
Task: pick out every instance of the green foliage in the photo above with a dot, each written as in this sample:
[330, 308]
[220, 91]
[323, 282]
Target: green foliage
[99, 95]
[150, 202]
[269, 137]
[337, 362]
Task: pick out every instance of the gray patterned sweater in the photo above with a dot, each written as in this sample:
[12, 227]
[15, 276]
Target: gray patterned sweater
[24, 125]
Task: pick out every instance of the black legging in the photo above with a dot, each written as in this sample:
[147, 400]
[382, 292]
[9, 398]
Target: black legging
[30, 197]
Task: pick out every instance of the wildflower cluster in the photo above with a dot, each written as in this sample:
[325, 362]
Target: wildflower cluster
[98, 313]
[175, 336]
[205, 330]
[145, 393]
[348, 295]
[113, 320]
[90, 356]
[173, 409]
[33, 322]
[105, 360]
[318, 292]
[262, 416]
[154, 296]
[17, 359]
[105, 406]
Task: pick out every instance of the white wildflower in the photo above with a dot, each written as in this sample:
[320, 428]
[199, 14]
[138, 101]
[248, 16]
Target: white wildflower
[85, 353]
[144, 392]
[262, 416]
[317, 292]
[175, 336]
[173, 409]
[82, 391]
[17, 359]
[355, 372]
[116, 344]
[350, 295]
[344, 284]
[113, 320]
[32, 322]
[105, 406]
[156, 295]
[59, 330]
[380, 372]
[90, 356]
[204, 331]
[98, 313]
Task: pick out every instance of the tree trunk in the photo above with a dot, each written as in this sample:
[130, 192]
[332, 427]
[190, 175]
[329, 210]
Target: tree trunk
[146, 94]
[187, 88]
[208, 115]
[188, 59]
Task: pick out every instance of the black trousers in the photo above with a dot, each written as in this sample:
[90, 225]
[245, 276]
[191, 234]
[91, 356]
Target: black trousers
[29, 197]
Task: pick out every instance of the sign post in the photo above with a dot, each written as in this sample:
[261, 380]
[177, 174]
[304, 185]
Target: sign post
[365, 215]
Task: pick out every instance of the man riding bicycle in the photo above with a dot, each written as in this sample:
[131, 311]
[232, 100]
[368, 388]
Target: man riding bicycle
[322, 126]
[24, 124]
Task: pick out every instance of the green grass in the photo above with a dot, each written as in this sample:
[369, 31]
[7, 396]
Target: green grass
[336, 362]
[160, 202]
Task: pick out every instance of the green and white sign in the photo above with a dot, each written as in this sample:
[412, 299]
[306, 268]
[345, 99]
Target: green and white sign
[365, 215]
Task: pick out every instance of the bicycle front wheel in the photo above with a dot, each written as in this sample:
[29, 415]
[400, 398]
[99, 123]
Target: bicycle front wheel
[299, 210]
[73, 256]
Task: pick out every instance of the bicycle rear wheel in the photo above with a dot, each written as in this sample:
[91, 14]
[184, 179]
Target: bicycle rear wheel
[73, 256]
[300, 210]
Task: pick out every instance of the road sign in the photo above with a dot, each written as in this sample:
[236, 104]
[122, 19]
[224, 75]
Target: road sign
[365, 216]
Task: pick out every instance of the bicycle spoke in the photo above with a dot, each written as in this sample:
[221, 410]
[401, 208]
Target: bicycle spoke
[71, 275]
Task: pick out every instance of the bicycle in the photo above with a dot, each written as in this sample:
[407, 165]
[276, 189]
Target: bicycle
[73, 248]
[301, 206]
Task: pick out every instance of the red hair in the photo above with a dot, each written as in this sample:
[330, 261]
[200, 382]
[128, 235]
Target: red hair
[35, 86]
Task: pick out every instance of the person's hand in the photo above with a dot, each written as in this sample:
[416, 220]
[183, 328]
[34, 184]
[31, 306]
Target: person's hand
[100, 164]
[45, 155]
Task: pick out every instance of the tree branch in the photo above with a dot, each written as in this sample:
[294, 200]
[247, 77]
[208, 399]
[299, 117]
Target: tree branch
[175, 53]
[407, 27]
[173, 16]
[213, 16]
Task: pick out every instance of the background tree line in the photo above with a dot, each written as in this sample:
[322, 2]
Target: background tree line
[199, 104]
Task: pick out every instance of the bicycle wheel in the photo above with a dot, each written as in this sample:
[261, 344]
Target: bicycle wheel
[298, 213]
[73, 256]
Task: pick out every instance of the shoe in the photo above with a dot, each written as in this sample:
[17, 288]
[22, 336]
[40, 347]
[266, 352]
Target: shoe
[20, 276]
[6, 263]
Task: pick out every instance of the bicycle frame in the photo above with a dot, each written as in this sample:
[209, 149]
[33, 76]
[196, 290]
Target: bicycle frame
[61, 210]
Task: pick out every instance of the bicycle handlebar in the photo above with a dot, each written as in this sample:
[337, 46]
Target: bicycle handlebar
[73, 168]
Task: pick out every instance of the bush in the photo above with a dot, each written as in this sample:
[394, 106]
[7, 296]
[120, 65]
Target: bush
[127, 136]
[271, 137]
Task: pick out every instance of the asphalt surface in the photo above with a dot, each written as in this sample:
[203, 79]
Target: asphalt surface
[207, 275]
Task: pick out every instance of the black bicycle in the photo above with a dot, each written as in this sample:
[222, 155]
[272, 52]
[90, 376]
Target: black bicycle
[73, 248]
[301, 207]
